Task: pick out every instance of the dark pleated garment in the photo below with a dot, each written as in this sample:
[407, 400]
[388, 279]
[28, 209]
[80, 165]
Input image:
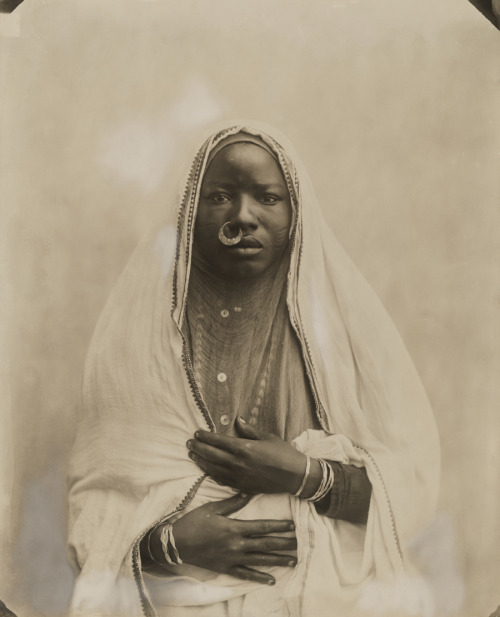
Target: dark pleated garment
[248, 362]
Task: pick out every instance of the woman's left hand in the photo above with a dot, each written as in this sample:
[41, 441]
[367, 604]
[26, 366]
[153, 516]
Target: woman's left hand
[256, 462]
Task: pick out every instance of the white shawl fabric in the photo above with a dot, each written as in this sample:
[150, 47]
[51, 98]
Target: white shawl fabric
[130, 467]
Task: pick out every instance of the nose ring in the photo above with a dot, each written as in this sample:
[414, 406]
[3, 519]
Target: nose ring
[229, 241]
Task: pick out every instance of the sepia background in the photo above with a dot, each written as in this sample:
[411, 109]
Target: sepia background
[393, 106]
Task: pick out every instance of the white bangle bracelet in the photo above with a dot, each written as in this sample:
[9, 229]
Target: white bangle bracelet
[167, 543]
[326, 483]
[304, 479]
[177, 558]
[150, 552]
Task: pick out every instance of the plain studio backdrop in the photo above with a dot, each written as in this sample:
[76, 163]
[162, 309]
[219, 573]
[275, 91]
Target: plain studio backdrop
[394, 107]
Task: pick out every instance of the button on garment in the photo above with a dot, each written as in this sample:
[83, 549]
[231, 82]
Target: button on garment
[221, 377]
[224, 419]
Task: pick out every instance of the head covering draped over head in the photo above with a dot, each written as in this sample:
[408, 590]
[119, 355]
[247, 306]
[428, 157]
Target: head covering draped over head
[240, 138]
[142, 401]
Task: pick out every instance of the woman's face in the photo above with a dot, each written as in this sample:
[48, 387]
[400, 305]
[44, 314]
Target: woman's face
[244, 186]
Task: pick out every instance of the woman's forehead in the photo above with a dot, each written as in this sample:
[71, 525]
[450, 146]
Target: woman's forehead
[244, 160]
[242, 137]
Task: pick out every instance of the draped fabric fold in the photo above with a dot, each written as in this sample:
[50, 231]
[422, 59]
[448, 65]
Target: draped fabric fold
[141, 403]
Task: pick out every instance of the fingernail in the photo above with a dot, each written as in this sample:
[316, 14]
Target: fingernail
[292, 562]
[242, 420]
[189, 443]
[191, 455]
[197, 434]
[292, 527]
[243, 494]
[271, 581]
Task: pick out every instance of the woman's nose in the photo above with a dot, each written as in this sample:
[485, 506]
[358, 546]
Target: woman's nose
[244, 213]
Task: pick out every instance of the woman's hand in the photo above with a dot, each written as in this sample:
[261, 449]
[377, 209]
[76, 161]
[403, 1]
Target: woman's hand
[256, 462]
[206, 538]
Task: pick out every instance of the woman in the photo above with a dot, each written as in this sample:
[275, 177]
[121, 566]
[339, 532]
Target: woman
[254, 439]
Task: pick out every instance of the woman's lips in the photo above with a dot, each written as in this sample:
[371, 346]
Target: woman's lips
[247, 242]
[247, 247]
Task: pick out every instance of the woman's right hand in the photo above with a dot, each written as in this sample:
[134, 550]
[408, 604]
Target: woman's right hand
[207, 538]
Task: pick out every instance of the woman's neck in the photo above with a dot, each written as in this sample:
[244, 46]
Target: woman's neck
[238, 291]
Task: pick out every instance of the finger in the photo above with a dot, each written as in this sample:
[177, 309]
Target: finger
[269, 544]
[214, 471]
[248, 574]
[265, 526]
[210, 453]
[249, 432]
[223, 442]
[229, 505]
[269, 559]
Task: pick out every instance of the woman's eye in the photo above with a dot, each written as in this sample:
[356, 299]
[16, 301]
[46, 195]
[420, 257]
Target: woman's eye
[269, 200]
[219, 198]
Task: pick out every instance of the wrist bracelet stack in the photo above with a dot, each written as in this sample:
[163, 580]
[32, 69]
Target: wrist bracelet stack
[326, 483]
[168, 544]
[170, 551]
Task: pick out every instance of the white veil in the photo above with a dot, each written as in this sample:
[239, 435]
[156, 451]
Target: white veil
[130, 466]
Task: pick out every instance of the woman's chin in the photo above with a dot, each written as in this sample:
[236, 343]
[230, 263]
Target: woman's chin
[243, 272]
[240, 267]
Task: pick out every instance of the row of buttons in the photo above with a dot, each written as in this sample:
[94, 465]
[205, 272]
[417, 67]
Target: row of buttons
[225, 312]
[222, 377]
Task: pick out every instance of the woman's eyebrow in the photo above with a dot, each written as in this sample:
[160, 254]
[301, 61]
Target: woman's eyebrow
[270, 186]
[229, 185]
[219, 185]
